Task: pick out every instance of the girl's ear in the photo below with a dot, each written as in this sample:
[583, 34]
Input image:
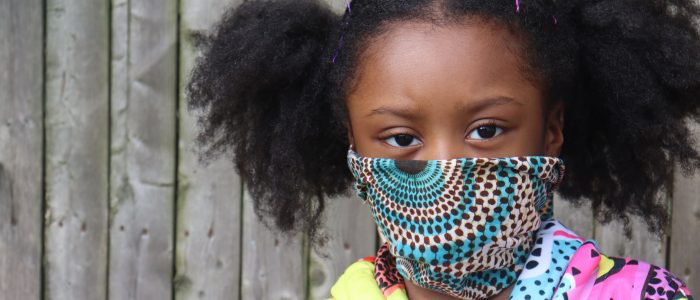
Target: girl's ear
[351, 140]
[554, 133]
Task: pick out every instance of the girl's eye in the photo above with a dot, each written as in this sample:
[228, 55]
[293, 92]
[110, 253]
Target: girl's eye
[402, 140]
[485, 132]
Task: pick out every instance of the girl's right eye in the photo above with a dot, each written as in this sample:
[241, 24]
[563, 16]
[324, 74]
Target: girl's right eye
[402, 140]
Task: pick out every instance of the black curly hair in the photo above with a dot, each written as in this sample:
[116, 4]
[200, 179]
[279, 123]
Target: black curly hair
[273, 78]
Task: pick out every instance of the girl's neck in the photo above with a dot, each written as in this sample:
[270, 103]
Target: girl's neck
[419, 293]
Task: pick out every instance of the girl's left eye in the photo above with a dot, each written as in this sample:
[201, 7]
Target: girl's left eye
[402, 140]
[485, 132]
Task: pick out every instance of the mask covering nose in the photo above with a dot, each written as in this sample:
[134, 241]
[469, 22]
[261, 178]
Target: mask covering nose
[463, 227]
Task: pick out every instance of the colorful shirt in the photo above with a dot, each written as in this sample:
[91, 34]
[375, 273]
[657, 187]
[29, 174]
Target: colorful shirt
[561, 265]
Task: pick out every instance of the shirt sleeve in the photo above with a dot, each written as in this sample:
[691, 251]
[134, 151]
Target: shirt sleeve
[357, 282]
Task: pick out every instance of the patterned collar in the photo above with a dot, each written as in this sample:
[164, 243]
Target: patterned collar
[564, 266]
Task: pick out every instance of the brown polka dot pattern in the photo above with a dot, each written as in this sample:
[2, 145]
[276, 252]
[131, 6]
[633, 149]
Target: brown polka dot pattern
[462, 226]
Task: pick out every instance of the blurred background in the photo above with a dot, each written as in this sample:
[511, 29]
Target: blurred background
[102, 195]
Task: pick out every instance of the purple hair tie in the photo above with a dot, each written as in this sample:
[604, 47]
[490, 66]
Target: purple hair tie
[342, 35]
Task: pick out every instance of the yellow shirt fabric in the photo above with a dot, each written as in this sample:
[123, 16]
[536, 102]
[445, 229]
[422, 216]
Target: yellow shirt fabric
[358, 283]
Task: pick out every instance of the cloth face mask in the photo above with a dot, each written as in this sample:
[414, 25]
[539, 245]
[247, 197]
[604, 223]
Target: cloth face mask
[464, 226]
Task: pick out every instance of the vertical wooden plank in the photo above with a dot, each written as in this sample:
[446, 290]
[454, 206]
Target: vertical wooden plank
[685, 225]
[349, 227]
[209, 197]
[351, 233]
[643, 245]
[142, 176]
[77, 104]
[21, 99]
[578, 218]
[337, 5]
[274, 266]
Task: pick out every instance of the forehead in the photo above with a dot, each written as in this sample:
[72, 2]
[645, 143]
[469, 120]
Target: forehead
[424, 61]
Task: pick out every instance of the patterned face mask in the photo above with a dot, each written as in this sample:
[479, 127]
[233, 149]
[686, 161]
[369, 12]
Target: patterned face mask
[463, 227]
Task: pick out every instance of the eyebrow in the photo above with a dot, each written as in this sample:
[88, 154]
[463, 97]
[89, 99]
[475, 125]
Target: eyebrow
[478, 105]
[482, 104]
[397, 111]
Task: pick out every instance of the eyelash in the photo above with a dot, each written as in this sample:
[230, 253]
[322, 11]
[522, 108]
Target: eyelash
[394, 136]
[490, 123]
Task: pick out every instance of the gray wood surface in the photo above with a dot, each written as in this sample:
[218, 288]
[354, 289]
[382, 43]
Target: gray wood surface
[577, 218]
[143, 149]
[209, 196]
[77, 140]
[352, 235]
[337, 5]
[102, 195]
[274, 266]
[349, 227]
[643, 245]
[21, 153]
[685, 226]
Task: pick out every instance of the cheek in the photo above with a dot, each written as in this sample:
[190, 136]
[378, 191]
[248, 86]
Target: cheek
[365, 144]
[532, 139]
[356, 130]
[526, 138]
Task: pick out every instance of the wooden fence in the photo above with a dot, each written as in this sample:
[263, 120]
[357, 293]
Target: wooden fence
[101, 194]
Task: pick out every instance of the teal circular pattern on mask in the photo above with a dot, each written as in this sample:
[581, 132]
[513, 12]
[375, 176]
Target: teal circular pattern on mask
[462, 226]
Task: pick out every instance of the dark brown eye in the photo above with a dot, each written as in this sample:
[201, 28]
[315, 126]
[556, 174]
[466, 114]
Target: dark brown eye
[485, 132]
[402, 140]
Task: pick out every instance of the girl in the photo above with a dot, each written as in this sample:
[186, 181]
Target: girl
[457, 119]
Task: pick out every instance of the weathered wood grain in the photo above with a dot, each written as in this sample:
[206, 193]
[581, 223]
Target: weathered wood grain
[116, 226]
[685, 226]
[143, 149]
[351, 234]
[274, 266]
[349, 228]
[77, 141]
[578, 218]
[337, 5]
[643, 245]
[21, 153]
[209, 196]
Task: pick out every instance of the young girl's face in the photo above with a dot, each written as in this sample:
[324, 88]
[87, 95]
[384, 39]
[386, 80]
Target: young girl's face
[440, 92]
